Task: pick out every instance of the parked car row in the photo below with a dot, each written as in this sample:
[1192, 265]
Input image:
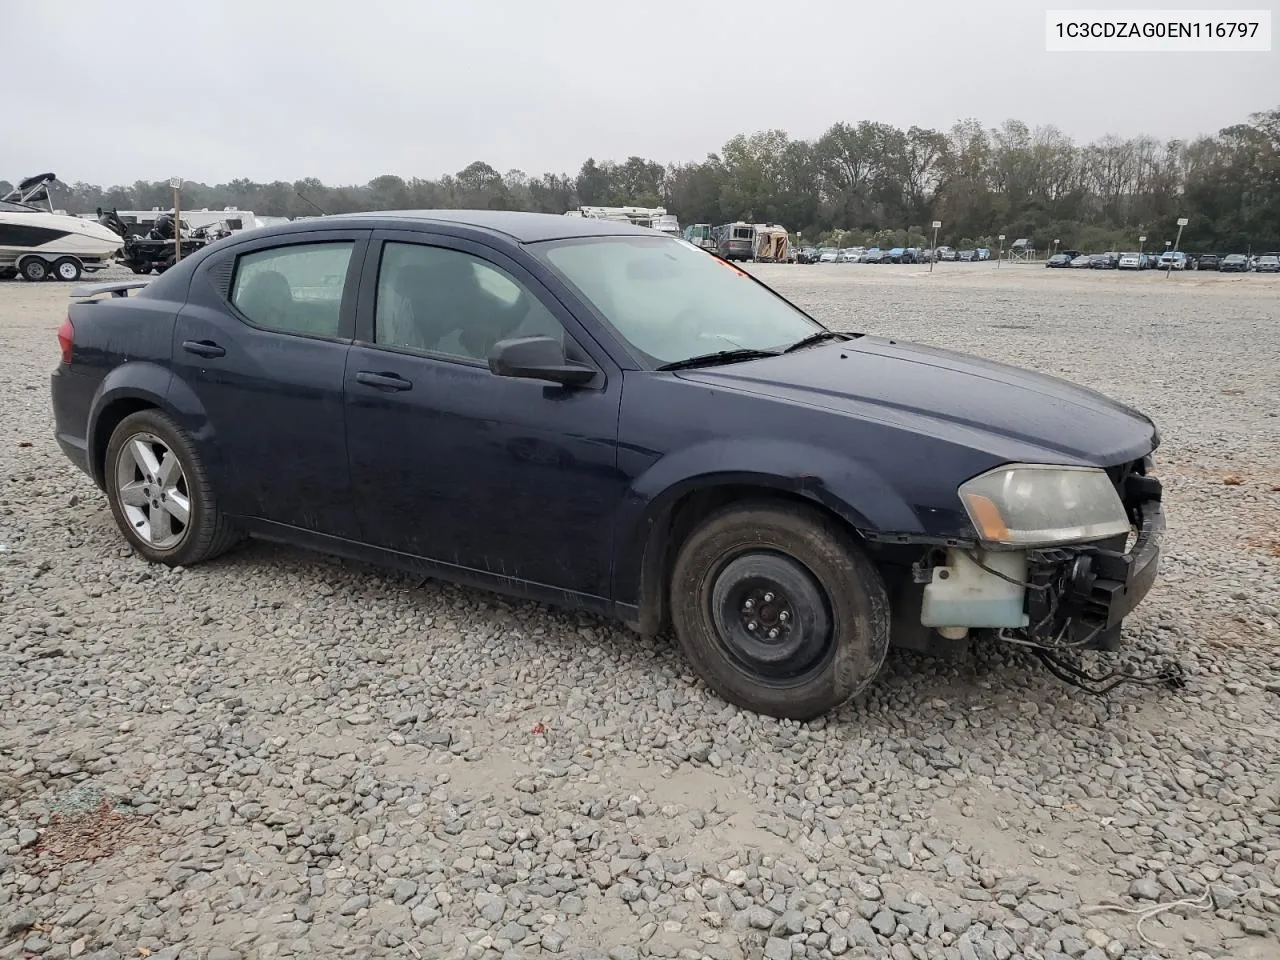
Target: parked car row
[892, 255]
[1170, 260]
[1236, 262]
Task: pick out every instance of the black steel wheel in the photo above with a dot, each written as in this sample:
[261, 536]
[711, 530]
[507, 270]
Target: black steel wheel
[778, 609]
[771, 616]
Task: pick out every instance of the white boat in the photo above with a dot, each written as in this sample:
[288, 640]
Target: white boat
[655, 218]
[39, 244]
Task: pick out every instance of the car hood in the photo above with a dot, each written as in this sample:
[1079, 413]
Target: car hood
[1003, 410]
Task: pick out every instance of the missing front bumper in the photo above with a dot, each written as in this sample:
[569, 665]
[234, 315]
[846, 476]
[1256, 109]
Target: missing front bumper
[1061, 598]
[1080, 595]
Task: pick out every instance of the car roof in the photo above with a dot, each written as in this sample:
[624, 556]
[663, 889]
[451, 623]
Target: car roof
[516, 225]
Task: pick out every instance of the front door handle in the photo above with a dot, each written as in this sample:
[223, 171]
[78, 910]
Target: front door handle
[383, 381]
[203, 348]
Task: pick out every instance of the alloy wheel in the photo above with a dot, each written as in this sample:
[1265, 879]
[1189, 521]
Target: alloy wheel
[152, 489]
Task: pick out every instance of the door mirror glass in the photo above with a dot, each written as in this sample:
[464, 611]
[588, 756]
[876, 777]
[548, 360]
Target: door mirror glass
[536, 358]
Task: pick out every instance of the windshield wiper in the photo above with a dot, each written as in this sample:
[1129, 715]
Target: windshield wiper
[819, 337]
[720, 356]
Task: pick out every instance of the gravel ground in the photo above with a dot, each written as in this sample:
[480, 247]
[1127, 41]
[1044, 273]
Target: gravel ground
[279, 754]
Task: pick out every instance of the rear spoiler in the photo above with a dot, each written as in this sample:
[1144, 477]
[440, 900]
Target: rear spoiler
[120, 288]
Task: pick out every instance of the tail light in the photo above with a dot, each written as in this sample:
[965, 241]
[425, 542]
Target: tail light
[66, 339]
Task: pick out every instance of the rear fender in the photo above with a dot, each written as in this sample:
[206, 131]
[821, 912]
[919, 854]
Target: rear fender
[155, 386]
[843, 485]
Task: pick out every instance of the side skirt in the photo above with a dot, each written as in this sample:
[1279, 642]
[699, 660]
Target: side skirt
[436, 570]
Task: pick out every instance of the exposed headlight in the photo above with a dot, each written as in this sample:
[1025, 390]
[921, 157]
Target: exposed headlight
[1030, 505]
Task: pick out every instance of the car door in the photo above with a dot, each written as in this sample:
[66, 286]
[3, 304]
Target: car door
[259, 357]
[508, 478]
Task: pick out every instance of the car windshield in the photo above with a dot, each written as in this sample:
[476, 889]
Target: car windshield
[672, 301]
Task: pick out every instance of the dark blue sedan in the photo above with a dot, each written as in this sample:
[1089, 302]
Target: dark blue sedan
[604, 417]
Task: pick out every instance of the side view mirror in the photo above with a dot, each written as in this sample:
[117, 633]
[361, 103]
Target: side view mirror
[536, 358]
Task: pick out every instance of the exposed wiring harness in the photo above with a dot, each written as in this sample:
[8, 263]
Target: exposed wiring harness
[1170, 675]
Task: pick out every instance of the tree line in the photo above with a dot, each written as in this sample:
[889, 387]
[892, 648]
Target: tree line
[858, 182]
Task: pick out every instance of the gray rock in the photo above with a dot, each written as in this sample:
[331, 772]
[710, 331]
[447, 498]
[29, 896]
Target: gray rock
[552, 941]
[424, 915]
[791, 922]
[958, 921]
[490, 906]
[21, 919]
[1254, 926]
[1144, 888]
[353, 905]
[775, 948]
[1223, 896]
[884, 923]
[760, 918]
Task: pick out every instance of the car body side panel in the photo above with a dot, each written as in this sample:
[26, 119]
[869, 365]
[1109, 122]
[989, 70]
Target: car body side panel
[121, 351]
[678, 435]
[273, 399]
[505, 477]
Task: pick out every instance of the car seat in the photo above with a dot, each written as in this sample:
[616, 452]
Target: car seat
[267, 299]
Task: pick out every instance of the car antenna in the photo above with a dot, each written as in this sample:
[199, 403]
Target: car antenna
[305, 200]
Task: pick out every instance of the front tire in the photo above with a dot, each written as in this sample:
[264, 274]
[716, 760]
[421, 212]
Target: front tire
[160, 493]
[778, 609]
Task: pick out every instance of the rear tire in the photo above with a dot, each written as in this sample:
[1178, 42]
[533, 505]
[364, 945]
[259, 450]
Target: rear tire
[779, 610]
[33, 269]
[160, 493]
[67, 269]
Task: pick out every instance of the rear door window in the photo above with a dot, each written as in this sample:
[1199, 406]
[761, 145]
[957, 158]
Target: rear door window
[294, 289]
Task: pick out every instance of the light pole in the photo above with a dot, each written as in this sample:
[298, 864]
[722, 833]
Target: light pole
[1001, 254]
[933, 254]
[1182, 222]
[176, 184]
[1055, 246]
[1141, 240]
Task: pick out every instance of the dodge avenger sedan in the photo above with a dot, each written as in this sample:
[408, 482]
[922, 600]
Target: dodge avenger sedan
[595, 415]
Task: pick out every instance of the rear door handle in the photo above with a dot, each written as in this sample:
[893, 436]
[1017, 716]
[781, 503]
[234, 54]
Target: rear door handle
[383, 381]
[203, 348]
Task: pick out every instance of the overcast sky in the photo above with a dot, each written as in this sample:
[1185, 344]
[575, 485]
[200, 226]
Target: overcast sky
[345, 91]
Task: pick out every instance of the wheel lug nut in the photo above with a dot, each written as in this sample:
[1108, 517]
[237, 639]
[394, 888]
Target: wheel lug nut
[784, 616]
[773, 633]
[752, 625]
[749, 604]
[768, 598]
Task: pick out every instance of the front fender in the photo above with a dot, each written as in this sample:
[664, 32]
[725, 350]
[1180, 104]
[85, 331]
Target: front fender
[842, 484]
